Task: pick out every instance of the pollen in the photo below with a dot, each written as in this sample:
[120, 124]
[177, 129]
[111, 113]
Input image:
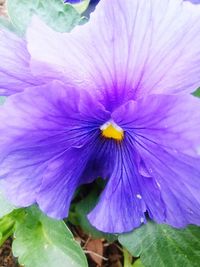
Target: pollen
[112, 130]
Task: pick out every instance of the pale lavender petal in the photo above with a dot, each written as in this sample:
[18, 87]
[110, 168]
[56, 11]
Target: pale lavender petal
[193, 1]
[159, 40]
[15, 74]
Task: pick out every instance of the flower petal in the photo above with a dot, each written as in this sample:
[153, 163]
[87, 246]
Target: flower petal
[159, 40]
[194, 1]
[60, 180]
[177, 176]
[165, 132]
[120, 208]
[15, 74]
[152, 197]
[169, 120]
[40, 129]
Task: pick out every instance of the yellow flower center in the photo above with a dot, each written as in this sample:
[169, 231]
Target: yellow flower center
[112, 130]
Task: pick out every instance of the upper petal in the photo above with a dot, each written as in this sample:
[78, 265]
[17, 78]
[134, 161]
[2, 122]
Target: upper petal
[15, 73]
[125, 50]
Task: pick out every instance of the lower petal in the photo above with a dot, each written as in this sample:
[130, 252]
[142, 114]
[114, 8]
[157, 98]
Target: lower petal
[120, 208]
[177, 176]
[60, 180]
[151, 195]
[164, 130]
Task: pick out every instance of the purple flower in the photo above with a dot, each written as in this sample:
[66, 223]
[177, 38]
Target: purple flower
[193, 1]
[110, 99]
[73, 1]
[79, 1]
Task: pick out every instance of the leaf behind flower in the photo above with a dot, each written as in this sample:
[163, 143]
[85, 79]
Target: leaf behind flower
[61, 17]
[41, 241]
[164, 246]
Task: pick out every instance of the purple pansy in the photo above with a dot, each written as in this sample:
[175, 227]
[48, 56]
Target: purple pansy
[111, 99]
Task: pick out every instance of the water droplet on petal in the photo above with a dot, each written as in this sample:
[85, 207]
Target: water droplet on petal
[139, 196]
[190, 211]
[158, 184]
[141, 219]
[144, 171]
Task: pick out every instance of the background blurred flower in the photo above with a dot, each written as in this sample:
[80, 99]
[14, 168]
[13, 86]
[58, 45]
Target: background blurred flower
[194, 1]
[79, 1]
[109, 99]
[82, 5]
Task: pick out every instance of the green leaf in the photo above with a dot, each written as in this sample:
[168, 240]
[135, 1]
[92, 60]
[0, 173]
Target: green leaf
[138, 263]
[5, 206]
[127, 259]
[41, 241]
[163, 246]
[7, 224]
[81, 211]
[8, 215]
[2, 100]
[197, 92]
[61, 17]
[6, 24]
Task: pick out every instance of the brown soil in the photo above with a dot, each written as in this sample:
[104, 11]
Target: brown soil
[6, 256]
[2, 8]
